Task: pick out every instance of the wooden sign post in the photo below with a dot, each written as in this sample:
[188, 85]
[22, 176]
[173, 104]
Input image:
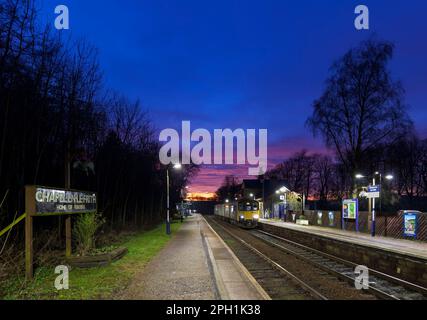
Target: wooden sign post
[30, 208]
[43, 201]
[68, 236]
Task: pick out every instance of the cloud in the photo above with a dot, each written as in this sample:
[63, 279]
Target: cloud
[210, 178]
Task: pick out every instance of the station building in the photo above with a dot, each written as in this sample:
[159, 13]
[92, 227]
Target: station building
[278, 202]
[275, 198]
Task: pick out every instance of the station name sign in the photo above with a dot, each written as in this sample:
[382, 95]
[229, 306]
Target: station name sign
[59, 201]
[373, 192]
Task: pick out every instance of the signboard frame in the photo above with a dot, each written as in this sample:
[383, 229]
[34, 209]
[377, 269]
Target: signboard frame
[373, 192]
[356, 208]
[414, 217]
[346, 217]
[31, 193]
[32, 212]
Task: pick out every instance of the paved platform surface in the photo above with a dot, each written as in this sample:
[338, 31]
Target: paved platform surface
[233, 280]
[406, 247]
[183, 270]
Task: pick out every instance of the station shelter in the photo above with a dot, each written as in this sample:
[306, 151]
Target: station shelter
[273, 195]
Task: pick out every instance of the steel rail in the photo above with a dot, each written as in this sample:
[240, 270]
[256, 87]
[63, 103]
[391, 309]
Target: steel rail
[283, 270]
[403, 283]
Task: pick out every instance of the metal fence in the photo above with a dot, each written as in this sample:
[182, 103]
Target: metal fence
[387, 226]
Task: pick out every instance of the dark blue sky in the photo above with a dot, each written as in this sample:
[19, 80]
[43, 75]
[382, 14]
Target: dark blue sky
[243, 64]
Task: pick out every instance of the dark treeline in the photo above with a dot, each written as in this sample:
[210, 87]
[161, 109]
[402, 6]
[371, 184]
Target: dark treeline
[324, 179]
[55, 110]
[230, 187]
[363, 120]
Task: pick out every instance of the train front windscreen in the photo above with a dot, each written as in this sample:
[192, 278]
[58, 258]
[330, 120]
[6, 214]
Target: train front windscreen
[248, 206]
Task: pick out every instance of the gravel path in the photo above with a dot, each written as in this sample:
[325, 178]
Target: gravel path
[179, 272]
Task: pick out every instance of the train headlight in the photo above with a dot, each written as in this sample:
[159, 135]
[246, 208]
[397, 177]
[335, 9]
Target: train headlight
[242, 217]
[256, 216]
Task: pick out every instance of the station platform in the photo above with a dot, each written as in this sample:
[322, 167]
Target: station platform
[400, 258]
[195, 265]
[403, 247]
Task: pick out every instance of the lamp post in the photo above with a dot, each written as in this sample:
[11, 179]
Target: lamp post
[388, 177]
[176, 166]
[373, 206]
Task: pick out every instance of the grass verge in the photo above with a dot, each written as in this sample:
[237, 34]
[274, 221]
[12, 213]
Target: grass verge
[95, 283]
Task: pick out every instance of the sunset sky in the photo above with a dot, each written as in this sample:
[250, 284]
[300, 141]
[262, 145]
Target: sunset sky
[243, 64]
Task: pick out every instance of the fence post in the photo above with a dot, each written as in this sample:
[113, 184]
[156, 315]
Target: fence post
[385, 225]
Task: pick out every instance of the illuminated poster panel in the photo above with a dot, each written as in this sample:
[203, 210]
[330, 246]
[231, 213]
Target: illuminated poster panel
[350, 209]
[410, 224]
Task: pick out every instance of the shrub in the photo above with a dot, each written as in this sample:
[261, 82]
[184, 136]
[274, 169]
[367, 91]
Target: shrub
[84, 231]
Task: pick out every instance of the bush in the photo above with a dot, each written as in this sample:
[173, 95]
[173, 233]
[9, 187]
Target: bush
[84, 232]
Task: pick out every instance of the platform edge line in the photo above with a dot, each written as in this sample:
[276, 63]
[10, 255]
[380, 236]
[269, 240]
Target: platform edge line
[219, 283]
[236, 260]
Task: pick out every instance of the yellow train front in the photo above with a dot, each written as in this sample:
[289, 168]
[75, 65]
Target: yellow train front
[244, 212]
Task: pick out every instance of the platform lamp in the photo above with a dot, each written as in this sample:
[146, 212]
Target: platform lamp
[388, 177]
[176, 166]
[376, 174]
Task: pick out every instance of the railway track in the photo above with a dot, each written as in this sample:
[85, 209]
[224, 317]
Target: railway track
[282, 275]
[380, 284]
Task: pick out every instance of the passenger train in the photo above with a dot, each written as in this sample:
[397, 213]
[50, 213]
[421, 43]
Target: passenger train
[245, 213]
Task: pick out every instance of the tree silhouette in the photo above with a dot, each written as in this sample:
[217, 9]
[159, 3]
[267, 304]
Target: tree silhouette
[56, 114]
[361, 106]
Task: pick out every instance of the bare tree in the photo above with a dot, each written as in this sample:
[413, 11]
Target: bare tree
[407, 158]
[324, 169]
[297, 171]
[55, 110]
[230, 187]
[361, 107]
